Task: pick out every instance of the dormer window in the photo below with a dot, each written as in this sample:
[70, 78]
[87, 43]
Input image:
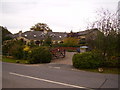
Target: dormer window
[34, 35]
[25, 35]
[60, 36]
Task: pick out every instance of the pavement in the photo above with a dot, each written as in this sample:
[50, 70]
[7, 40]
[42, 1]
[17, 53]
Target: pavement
[54, 75]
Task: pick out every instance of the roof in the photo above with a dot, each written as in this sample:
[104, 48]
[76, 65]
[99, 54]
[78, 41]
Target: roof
[86, 32]
[40, 35]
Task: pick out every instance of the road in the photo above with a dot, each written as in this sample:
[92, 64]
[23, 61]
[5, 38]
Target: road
[53, 76]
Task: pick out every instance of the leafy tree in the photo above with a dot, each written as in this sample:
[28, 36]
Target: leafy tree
[118, 44]
[9, 46]
[17, 51]
[5, 32]
[40, 27]
[70, 41]
[6, 47]
[111, 43]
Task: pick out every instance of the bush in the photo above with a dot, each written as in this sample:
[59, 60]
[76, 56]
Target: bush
[17, 51]
[87, 60]
[40, 55]
[112, 62]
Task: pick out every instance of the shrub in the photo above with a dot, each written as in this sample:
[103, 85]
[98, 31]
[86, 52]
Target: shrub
[40, 55]
[112, 62]
[87, 60]
[17, 51]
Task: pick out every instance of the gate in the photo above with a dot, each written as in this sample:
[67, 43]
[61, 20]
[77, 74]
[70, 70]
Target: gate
[57, 53]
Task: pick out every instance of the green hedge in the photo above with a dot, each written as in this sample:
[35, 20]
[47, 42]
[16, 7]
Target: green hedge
[39, 55]
[17, 51]
[87, 60]
[112, 62]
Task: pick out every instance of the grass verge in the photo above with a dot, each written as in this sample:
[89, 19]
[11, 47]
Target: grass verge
[10, 60]
[105, 70]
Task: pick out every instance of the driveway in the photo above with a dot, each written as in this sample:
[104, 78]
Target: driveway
[67, 60]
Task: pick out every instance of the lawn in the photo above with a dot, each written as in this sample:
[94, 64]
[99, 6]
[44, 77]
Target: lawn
[10, 60]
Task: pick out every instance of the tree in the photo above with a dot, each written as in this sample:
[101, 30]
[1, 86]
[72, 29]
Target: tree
[17, 51]
[70, 41]
[107, 41]
[40, 27]
[112, 41]
[9, 46]
[6, 47]
[5, 32]
[106, 22]
[118, 44]
[48, 41]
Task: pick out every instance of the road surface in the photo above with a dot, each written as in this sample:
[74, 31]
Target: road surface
[54, 76]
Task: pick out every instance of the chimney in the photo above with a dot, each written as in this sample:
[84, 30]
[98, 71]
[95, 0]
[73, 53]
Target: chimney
[20, 33]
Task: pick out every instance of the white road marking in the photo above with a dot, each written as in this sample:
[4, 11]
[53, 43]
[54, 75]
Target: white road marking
[54, 67]
[50, 81]
[31, 65]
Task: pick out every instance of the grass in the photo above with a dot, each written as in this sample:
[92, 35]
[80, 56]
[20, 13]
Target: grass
[10, 60]
[105, 70]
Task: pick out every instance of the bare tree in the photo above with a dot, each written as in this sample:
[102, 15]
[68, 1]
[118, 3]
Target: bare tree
[107, 40]
[106, 21]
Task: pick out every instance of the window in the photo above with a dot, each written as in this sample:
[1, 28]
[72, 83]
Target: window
[25, 35]
[34, 35]
[60, 36]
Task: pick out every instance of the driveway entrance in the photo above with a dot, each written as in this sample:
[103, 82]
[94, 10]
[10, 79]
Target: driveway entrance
[67, 60]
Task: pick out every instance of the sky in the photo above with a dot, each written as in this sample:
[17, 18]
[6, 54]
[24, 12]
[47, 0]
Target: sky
[59, 15]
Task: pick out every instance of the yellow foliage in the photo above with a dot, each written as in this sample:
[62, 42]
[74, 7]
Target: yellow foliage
[26, 48]
[71, 41]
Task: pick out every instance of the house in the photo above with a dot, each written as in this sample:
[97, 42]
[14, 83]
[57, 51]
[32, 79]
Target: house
[38, 36]
[72, 34]
[57, 37]
[83, 36]
[92, 33]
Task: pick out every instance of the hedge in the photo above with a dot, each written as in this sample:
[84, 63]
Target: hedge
[39, 55]
[87, 60]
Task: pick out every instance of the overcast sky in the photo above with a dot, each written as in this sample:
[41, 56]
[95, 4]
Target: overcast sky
[59, 15]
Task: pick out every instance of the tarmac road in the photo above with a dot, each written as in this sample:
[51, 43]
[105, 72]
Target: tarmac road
[53, 76]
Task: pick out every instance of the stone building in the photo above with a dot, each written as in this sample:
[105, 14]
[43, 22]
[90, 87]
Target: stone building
[38, 36]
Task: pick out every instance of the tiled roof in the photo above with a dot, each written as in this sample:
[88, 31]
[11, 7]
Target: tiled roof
[40, 35]
[86, 32]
